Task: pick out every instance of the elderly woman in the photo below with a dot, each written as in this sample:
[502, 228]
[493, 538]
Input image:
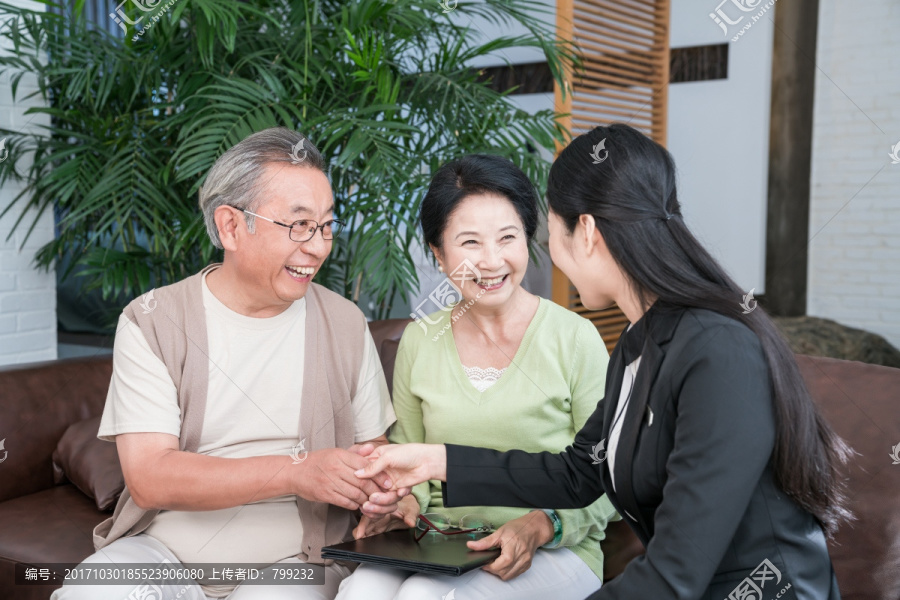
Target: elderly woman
[503, 369]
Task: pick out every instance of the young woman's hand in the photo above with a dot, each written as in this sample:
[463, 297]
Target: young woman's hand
[518, 540]
[405, 516]
[398, 467]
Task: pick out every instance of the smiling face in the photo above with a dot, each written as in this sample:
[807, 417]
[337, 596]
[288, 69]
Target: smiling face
[486, 230]
[276, 270]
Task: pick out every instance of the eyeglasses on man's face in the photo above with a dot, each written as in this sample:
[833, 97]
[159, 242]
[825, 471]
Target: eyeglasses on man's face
[304, 229]
[438, 523]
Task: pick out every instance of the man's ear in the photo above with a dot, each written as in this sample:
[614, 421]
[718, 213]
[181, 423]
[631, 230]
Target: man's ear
[228, 221]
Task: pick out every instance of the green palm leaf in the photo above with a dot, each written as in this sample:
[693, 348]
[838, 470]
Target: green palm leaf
[132, 126]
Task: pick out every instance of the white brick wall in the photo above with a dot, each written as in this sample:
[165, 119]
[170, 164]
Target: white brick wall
[854, 260]
[27, 296]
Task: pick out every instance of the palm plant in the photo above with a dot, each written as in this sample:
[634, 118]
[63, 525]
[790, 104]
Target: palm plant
[383, 87]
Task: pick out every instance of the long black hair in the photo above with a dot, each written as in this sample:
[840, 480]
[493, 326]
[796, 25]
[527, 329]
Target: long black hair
[626, 181]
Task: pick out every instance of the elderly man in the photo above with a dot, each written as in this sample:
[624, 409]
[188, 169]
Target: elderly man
[239, 394]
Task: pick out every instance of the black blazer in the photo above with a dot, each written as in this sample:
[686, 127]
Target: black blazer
[694, 482]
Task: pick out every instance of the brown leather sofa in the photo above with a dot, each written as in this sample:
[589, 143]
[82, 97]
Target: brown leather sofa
[45, 523]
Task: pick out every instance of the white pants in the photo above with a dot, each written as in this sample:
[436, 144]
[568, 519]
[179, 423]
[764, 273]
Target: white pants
[145, 549]
[557, 574]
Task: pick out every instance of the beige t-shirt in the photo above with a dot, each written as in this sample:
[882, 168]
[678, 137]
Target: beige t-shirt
[252, 409]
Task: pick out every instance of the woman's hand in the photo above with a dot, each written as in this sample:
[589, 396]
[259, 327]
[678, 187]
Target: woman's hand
[518, 540]
[399, 467]
[405, 516]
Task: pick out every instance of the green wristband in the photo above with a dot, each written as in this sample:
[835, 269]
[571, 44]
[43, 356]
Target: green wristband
[557, 528]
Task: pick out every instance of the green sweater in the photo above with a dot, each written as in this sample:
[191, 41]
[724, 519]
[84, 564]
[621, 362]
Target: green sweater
[544, 397]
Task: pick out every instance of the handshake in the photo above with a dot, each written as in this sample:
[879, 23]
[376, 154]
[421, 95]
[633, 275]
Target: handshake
[387, 473]
[394, 469]
[374, 479]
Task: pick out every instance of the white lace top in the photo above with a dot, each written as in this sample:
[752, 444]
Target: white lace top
[482, 379]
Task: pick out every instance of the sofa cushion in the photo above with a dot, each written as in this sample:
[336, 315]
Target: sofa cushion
[388, 359]
[51, 526]
[54, 525]
[619, 546]
[89, 463]
[387, 329]
[386, 334]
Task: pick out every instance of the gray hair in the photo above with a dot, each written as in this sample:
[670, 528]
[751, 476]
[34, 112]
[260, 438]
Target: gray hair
[234, 178]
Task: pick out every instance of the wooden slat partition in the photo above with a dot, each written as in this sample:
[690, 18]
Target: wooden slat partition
[624, 78]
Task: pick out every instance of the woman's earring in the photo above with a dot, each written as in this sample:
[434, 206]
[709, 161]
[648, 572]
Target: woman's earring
[441, 268]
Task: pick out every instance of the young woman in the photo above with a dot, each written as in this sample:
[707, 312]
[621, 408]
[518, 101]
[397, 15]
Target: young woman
[503, 369]
[707, 441]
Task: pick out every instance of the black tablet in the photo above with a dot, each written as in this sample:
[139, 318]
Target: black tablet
[434, 553]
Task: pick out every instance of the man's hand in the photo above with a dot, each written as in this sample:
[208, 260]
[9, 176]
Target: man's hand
[328, 476]
[365, 448]
[160, 476]
[405, 516]
[518, 540]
